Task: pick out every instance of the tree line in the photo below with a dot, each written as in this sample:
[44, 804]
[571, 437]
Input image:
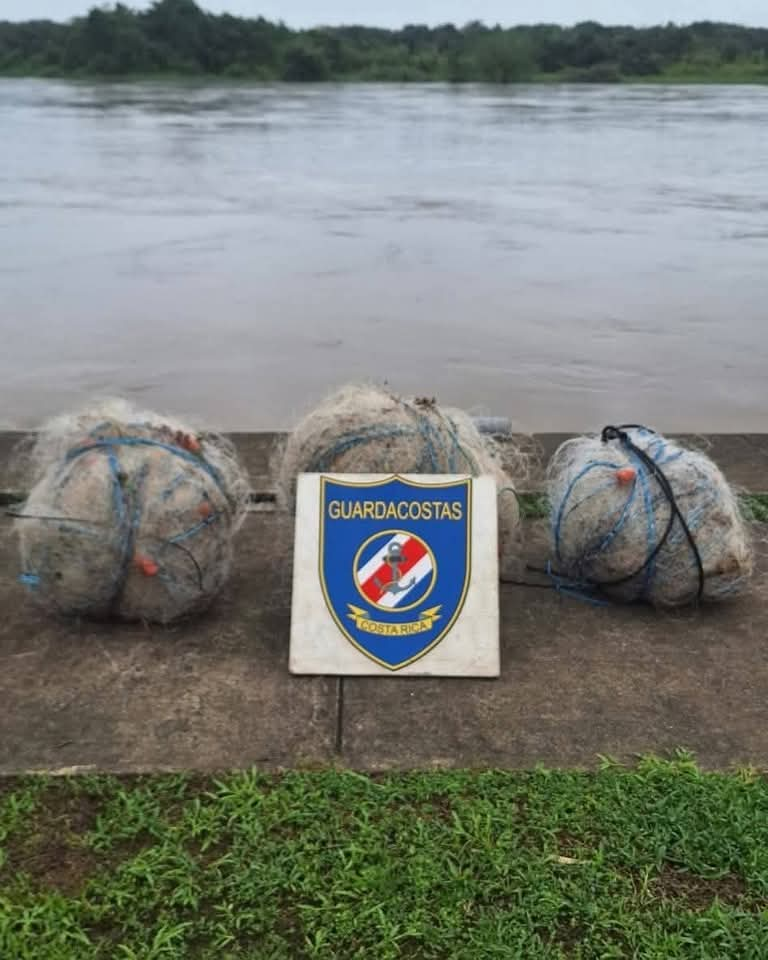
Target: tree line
[178, 37]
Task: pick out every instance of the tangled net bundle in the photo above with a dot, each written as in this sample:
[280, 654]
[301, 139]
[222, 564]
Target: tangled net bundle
[366, 429]
[130, 516]
[639, 517]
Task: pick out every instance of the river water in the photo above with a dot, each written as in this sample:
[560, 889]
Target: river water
[564, 256]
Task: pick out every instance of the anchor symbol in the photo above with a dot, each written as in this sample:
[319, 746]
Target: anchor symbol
[394, 561]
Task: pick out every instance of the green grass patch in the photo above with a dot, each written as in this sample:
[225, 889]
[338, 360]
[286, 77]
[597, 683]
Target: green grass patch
[533, 506]
[755, 507]
[661, 861]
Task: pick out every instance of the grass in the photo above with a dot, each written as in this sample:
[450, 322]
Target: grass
[755, 507]
[660, 861]
[533, 506]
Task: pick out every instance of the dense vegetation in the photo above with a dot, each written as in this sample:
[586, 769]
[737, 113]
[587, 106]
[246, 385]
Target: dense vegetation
[660, 862]
[177, 36]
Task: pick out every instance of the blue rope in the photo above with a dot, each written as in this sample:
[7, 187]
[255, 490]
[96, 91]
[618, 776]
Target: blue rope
[128, 507]
[323, 459]
[678, 525]
[577, 590]
[194, 530]
[560, 513]
[174, 485]
[112, 442]
[129, 521]
[454, 434]
[117, 487]
[617, 527]
[435, 449]
[429, 455]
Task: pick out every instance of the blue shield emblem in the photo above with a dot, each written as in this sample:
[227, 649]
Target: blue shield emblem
[395, 563]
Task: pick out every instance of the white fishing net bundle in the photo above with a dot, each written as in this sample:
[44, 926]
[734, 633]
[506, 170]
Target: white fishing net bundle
[367, 429]
[130, 515]
[611, 514]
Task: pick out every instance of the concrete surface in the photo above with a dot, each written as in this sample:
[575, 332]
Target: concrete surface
[577, 681]
[214, 693]
[743, 456]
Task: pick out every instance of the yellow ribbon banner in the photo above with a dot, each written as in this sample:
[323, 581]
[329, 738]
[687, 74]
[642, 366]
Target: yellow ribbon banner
[363, 622]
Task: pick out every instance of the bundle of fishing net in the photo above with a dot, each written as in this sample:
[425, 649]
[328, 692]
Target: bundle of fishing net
[130, 515]
[367, 429]
[638, 517]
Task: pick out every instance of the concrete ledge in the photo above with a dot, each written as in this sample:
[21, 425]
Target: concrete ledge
[577, 680]
[214, 693]
[743, 456]
[580, 681]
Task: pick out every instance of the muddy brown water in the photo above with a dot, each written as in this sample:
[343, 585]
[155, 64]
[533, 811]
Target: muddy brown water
[564, 256]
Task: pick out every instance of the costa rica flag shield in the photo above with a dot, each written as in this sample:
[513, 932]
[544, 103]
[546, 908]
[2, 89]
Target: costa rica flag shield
[395, 562]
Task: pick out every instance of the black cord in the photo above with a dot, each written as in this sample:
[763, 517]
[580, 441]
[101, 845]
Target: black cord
[619, 433]
[191, 556]
[161, 540]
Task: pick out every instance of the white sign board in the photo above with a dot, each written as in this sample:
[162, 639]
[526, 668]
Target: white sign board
[395, 575]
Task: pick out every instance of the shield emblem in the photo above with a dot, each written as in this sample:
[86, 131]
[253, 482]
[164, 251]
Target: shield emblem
[395, 562]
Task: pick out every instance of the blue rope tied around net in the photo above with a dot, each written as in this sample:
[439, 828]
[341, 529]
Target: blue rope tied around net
[458, 448]
[575, 589]
[434, 444]
[194, 530]
[115, 442]
[648, 466]
[128, 507]
[675, 514]
[324, 459]
[565, 586]
[560, 514]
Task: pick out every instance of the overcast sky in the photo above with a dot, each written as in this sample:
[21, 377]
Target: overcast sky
[301, 13]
